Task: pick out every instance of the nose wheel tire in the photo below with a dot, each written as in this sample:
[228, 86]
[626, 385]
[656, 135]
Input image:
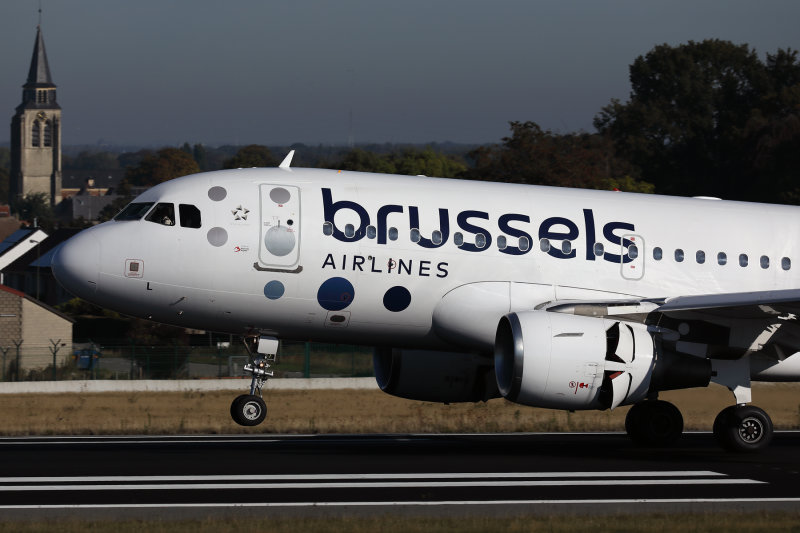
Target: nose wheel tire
[743, 428]
[654, 423]
[248, 410]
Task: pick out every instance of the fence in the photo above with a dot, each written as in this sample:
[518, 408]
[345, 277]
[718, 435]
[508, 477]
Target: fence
[137, 361]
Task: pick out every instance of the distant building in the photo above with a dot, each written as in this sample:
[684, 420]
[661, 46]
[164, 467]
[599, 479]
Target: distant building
[36, 133]
[86, 192]
[90, 182]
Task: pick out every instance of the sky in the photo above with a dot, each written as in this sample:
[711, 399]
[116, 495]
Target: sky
[277, 72]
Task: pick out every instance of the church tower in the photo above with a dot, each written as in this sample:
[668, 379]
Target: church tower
[36, 133]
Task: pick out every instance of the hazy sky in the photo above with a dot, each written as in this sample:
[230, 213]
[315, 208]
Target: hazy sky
[277, 72]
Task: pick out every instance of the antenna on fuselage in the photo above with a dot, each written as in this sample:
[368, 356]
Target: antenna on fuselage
[287, 161]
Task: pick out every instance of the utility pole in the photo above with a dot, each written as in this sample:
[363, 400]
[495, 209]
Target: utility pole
[5, 350]
[54, 348]
[38, 258]
[19, 370]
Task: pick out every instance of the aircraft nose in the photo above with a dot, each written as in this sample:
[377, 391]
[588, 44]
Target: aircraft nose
[76, 264]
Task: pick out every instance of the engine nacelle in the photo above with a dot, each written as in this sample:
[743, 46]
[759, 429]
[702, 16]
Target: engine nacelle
[564, 361]
[431, 376]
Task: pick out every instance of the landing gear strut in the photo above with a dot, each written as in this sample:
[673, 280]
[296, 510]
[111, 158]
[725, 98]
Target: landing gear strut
[250, 409]
[654, 423]
[743, 428]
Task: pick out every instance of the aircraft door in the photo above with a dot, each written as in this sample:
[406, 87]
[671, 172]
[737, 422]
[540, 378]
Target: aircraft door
[633, 253]
[279, 245]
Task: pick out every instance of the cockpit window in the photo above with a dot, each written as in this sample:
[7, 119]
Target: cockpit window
[134, 211]
[190, 216]
[162, 214]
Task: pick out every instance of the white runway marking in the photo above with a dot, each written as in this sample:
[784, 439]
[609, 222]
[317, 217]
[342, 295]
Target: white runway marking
[335, 477]
[400, 503]
[360, 481]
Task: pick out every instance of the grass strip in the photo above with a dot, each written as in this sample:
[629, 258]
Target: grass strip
[771, 522]
[346, 411]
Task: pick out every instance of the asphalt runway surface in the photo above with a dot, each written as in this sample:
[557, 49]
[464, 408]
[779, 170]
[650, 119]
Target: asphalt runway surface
[198, 476]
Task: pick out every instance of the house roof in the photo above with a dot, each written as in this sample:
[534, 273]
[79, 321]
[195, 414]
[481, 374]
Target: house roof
[38, 252]
[18, 244]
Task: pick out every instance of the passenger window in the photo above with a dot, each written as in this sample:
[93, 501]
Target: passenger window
[657, 253]
[700, 257]
[190, 216]
[598, 249]
[134, 211]
[786, 263]
[679, 255]
[743, 260]
[327, 228]
[415, 235]
[458, 238]
[544, 245]
[162, 214]
[501, 242]
[371, 232]
[436, 237]
[566, 247]
[349, 231]
[524, 244]
[764, 261]
[480, 240]
[393, 234]
[633, 251]
[722, 258]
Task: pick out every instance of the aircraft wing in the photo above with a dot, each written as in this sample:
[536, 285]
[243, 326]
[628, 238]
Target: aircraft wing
[781, 304]
[730, 325]
[724, 326]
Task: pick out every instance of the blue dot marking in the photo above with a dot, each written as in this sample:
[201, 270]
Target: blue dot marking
[397, 299]
[335, 294]
[274, 290]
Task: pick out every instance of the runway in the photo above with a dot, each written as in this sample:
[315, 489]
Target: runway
[426, 474]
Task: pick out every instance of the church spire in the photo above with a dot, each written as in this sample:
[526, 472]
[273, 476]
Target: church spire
[39, 91]
[39, 73]
[36, 133]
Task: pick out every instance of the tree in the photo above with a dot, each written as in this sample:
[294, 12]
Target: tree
[427, 162]
[5, 158]
[92, 161]
[166, 164]
[250, 156]
[699, 114]
[35, 207]
[409, 161]
[541, 157]
[362, 161]
[200, 155]
[4, 184]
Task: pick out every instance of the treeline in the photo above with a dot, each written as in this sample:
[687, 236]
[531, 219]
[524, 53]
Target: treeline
[703, 118]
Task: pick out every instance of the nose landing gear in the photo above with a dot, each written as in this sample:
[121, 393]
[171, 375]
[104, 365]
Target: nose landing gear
[250, 409]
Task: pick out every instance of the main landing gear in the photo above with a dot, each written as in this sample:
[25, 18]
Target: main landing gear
[738, 428]
[250, 409]
[654, 423]
[743, 428]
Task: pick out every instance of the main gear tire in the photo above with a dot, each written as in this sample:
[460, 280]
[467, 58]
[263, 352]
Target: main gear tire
[654, 423]
[743, 429]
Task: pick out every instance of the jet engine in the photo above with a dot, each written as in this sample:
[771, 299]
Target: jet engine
[564, 361]
[432, 376]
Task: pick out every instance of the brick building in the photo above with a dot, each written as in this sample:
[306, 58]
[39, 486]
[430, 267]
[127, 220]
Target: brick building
[35, 328]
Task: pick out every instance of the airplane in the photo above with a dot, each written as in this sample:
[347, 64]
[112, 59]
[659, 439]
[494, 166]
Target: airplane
[549, 297]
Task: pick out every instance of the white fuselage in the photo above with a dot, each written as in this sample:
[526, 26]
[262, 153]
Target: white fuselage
[310, 254]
